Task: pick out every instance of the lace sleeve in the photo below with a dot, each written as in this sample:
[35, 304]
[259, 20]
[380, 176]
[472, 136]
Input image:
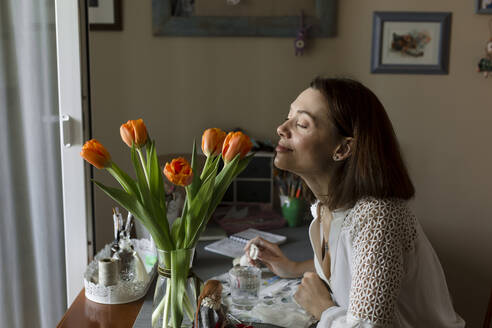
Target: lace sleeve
[384, 234]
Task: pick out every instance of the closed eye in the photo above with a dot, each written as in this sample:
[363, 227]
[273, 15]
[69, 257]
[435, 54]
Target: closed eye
[302, 126]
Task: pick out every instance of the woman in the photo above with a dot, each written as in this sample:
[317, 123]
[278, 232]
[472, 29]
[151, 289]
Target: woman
[373, 265]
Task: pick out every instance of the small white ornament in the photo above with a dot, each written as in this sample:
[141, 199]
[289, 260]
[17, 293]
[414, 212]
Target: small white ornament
[253, 251]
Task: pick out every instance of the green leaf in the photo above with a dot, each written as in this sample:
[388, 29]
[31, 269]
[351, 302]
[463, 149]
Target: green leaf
[153, 170]
[212, 168]
[157, 187]
[149, 200]
[228, 170]
[148, 150]
[198, 211]
[179, 227]
[223, 180]
[177, 232]
[142, 181]
[200, 218]
[196, 182]
[133, 205]
[123, 179]
[209, 166]
[222, 183]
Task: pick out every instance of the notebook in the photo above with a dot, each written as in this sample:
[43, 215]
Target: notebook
[233, 246]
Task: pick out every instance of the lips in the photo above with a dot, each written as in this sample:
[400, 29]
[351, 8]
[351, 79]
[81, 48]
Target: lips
[282, 149]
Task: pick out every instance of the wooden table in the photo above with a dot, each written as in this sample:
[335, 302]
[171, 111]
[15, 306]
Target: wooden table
[84, 313]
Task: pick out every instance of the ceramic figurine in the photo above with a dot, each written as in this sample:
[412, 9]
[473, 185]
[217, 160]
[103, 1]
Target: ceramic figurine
[118, 227]
[300, 41]
[485, 64]
[210, 311]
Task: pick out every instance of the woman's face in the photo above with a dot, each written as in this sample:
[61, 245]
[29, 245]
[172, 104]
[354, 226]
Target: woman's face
[307, 137]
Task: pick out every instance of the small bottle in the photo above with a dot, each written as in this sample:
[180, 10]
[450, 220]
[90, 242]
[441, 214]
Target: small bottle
[132, 268]
[124, 253]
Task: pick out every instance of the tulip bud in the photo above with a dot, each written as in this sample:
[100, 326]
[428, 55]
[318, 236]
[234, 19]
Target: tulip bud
[134, 131]
[95, 153]
[235, 143]
[212, 141]
[179, 172]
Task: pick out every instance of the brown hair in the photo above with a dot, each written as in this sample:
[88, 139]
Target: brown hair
[375, 167]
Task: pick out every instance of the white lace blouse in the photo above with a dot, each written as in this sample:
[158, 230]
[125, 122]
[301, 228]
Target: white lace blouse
[384, 271]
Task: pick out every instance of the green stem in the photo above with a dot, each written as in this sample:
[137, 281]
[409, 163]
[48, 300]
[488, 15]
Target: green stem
[158, 310]
[144, 166]
[188, 307]
[204, 171]
[167, 306]
[163, 306]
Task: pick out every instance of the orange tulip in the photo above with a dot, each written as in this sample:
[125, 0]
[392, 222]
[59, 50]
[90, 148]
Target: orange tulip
[95, 153]
[179, 172]
[134, 131]
[235, 143]
[212, 141]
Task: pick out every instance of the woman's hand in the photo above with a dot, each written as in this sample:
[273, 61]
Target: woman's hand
[313, 295]
[271, 255]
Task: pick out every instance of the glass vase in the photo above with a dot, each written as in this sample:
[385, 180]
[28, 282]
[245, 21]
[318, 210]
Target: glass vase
[176, 291]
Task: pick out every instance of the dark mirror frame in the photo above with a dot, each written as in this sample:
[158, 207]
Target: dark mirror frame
[164, 24]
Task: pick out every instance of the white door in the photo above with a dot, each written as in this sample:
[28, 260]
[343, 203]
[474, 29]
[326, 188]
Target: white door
[74, 130]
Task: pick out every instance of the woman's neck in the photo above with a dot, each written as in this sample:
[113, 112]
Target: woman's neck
[319, 185]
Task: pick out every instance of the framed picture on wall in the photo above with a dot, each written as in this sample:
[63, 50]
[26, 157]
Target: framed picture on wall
[411, 42]
[104, 15]
[483, 6]
[258, 18]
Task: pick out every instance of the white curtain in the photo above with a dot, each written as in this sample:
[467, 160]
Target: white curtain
[32, 266]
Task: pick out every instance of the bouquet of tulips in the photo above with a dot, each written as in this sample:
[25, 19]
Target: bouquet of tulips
[145, 198]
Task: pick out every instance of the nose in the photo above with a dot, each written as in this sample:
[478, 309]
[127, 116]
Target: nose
[283, 130]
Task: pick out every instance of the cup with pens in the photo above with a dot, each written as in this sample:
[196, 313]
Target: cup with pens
[292, 202]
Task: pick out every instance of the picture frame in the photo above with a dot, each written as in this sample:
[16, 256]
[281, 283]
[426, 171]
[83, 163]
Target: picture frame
[483, 7]
[411, 42]
[105, 15]
[165, 24]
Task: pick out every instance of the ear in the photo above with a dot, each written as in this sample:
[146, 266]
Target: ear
[344, 149]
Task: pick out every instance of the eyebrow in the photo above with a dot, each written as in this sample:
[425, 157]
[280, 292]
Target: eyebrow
[307, 113]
